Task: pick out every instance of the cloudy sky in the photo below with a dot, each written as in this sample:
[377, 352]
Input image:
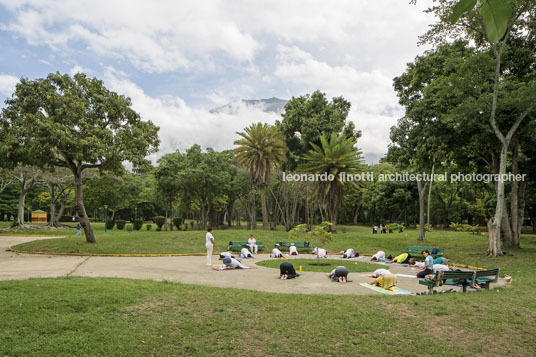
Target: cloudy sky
[178, 59]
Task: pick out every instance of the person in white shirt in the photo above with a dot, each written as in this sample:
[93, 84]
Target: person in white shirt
[226, 255]
[292, 250]
[378, 256]
[245, 253]
[440, 267]
[252, 242]
[415, 264]
[348, 254]
[231, 263]
[379, 272]
[209, 243]
[322, 253]
[276, 253]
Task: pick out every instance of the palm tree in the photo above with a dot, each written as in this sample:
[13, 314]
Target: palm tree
[332, 158]
[262, 147]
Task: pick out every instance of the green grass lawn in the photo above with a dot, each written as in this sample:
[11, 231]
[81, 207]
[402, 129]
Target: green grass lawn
[326, 265]
[85, 316]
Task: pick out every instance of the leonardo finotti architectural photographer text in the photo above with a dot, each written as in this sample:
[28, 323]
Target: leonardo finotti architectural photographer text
[405, 177]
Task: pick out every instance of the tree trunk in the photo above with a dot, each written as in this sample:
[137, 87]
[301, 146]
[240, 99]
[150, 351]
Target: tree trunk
[80, 209]
[262, 189]
[422, 189]
[516, 239]
[333, 216]
[20, 208]
[356, 212]
[429, 199]
[494, 247]
[62, 206]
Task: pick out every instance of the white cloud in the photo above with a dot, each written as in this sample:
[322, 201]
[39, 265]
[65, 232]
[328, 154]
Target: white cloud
[7, 84]
[181, 126]
[156, 38]
[230, 50]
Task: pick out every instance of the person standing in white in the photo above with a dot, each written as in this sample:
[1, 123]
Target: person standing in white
[210, 245]
[252, 242]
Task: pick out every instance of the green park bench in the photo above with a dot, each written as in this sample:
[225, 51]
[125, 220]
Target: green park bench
[300, 246]
[466, 278]
[487, 276]
[237, 246]
[416, 251]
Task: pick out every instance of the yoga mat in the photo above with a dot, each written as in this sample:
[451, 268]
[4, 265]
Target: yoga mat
[387, 292]
[407, 276]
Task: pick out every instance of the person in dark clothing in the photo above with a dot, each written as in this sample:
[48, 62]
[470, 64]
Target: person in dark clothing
[287, 271]
[339, 274]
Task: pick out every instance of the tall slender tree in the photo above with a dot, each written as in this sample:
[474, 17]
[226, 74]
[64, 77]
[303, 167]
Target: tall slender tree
[261, 148]
[335, 157]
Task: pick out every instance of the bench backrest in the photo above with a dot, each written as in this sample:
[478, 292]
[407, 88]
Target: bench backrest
[243, 243]
[439, 250]
[488, 273]
[457, 274]
[297, 244]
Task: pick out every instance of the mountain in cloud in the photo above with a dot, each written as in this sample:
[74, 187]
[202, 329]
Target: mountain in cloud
[271, 105]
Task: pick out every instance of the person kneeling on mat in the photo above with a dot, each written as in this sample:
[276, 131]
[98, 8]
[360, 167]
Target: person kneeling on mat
[385, 281]
[287, 271]
[403, 258]
[245, 253]
[339, 274]
[292, 250]
[322, 253]
[349, 253]
[231, 263]
[276, 253]
[380, 256]
[224, 255]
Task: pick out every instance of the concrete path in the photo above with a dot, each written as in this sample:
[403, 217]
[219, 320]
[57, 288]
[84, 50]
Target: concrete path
[187, 269]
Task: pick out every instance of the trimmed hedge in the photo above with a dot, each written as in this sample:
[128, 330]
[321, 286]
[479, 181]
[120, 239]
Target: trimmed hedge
[137, 224]
[121, 223]
[159, 220]
[177, 222]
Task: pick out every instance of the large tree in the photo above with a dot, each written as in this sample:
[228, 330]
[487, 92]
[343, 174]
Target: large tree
[260, 149]
[309, 116]
[75, 122]
[493, 25]
[335, 156]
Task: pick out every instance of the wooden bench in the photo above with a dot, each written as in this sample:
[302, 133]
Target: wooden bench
[300, 246]
[237, 246]
[466, 278]
[487, 276]
[416, 251]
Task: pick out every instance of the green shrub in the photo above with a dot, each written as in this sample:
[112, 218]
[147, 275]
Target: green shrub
[110, 224]
[158, 229]
[159, 220]
[192, 224]
[129, 228]
[177, 222]
[137, 223]
[121, 223]
[393, 227]
[148, 226]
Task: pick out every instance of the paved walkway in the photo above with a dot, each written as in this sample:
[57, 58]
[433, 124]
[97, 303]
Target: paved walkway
[187, 269]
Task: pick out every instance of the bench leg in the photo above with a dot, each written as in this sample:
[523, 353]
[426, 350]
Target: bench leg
[430, 289]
